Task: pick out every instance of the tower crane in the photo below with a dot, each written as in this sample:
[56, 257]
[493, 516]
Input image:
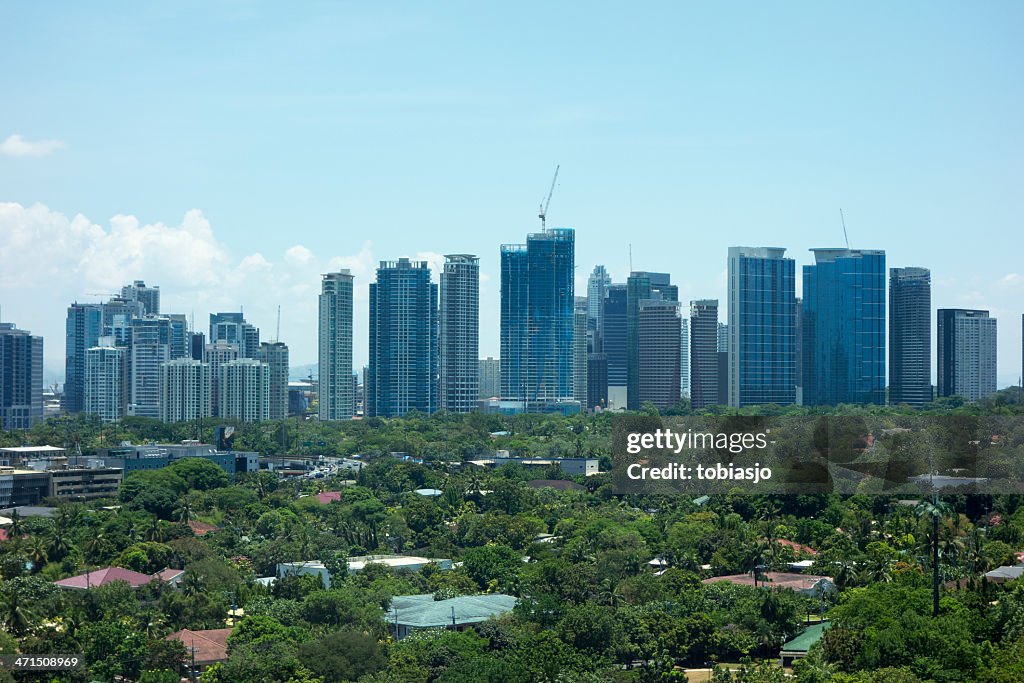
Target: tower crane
[543, 215]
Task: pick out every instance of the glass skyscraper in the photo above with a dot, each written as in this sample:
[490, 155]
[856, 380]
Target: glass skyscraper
[83, 331]
[703, 353]
[403, 372]
[910, 336]
[613, 344]
[843, 326]
[537, 314]
[640, 287]
[761, 332]
[21, 378]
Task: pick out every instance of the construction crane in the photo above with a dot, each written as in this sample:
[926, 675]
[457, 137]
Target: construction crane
[843, 220]
[543, 215]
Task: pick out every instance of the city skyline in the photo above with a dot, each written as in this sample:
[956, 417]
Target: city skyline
[306, 144]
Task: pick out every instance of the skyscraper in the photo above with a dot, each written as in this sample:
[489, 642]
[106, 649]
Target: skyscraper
[216, 355]
[490, 377]
[21, 378]
[105, 379]
[245, 390]
[967, 353]
[185, 390]
[537, 319]
[233, 329]
[843, 327]
[84, 328]
[684, 358]
[703, 352]
[460, 333]
[597, 289]
[150, 348]
[910, 336]
[337, 401]
[614, 345]
[723, 365]
[149, 297]
[659, 352]
[579, 355]
[761, 333]
[640, 287]
[275, 355]
[403, 372]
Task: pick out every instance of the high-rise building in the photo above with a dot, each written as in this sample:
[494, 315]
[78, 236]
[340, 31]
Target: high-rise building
[641, 286]
[843, 327]
[337, 401]
[579, 354]
[597, 289]
[966, 353]
[490, 378]
[723, 364]
[659, 352]
[537, 319]
[149, 297]
[703, 353]
[275, 355]
[245, 390]
[185, 390]
[233, 329]
[83, 330]
[910, 336]
[614, 345]
[460, 333]
[684, 358]
[105, 375]
[403, 372]
[21, 378]
[761, 333]
[150, 348]
[597, 381]
[197, 345]
[216, 355]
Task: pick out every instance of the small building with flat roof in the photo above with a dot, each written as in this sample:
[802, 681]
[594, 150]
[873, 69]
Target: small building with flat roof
[408, 613]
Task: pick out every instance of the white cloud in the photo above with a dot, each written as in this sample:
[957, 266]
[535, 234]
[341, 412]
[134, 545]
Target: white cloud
[298, 255]
[17, 146]
[1012, 280]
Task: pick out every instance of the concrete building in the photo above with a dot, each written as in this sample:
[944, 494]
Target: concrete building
[490, 378]
[85, 483]
[659, 353]
[105, 380]
[910, 336]
[641, 286]
[231, 328]
[216, 355]
[459, 329]
[21, 378]
[186, 391]
[149, 297]
[703, 352]
[245, 390]
[579, 354]
[336, 399]
[150, 348]
[614, 345]
[966, 353]
[275, 355]
[22, 487]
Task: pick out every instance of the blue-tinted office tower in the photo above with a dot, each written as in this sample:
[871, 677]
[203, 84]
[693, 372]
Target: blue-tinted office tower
[843, 327]
[537, 311]
[761, 333]
[83, 330]
[641, 286]
[613, 344]
[910, 338]
[403, 371]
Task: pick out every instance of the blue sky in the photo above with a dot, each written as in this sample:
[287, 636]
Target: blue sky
[231, 152]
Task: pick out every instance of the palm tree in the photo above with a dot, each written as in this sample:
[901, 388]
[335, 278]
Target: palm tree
[935, 510]
[60, 544]
[14, 615]
[36, 550]
[184, 511]
[17, 525]
[155, 531]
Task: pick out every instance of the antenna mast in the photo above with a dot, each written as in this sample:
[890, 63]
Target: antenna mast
[843, 220]
[543, 215]
[277, 334]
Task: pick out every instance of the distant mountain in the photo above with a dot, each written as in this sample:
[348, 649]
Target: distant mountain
[300, 372]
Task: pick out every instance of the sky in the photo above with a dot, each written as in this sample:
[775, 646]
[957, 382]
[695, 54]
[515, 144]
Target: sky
[232, 152]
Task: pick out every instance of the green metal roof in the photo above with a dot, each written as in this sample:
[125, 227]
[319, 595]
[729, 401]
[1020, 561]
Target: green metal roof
[422, 611]
[804, 641]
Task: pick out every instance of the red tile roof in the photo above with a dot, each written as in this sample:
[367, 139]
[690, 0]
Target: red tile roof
[101, 577]
[328, 497]
[201, 528]
[210, 646]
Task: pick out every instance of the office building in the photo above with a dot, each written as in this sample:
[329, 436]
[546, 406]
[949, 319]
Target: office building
[460, 333]
[723, 364]
[233, 329]
[579, 356]
[149, 297]
[537, 320]
[197, 345]
[966, 353]
[490, 377]
[275, 355]
[245, 390]
[105, 380]
[186, 391]
[614, 345]
[703, 353]
[684, 358]
[910, 336]
[403, 373]
[597, 381]
[336, 400]
[83, 329]
[216, 355]
[659, 353]
[641, 286]
[597, 289]
[150, 348]
[761, 332]
[843, 327]
[21, 378]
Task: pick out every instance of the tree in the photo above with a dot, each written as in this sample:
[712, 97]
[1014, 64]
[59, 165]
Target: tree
[200, 474]
[342, 656]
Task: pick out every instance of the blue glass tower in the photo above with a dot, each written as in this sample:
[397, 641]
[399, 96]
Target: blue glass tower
[762, 327]
[83, 331]
[537, 311]
[403, 371]
[843, 327]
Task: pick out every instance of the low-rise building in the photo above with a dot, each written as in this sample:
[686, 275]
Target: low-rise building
[203, 648]
[807, 584]
[408, 613]
[797, 647]
[408, 563]
[22, 487]
[85, 483]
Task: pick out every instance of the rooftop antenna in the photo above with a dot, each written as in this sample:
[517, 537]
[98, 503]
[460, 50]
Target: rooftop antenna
[631, 258]
[543, 215]
[843, 220]
[277, 334]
